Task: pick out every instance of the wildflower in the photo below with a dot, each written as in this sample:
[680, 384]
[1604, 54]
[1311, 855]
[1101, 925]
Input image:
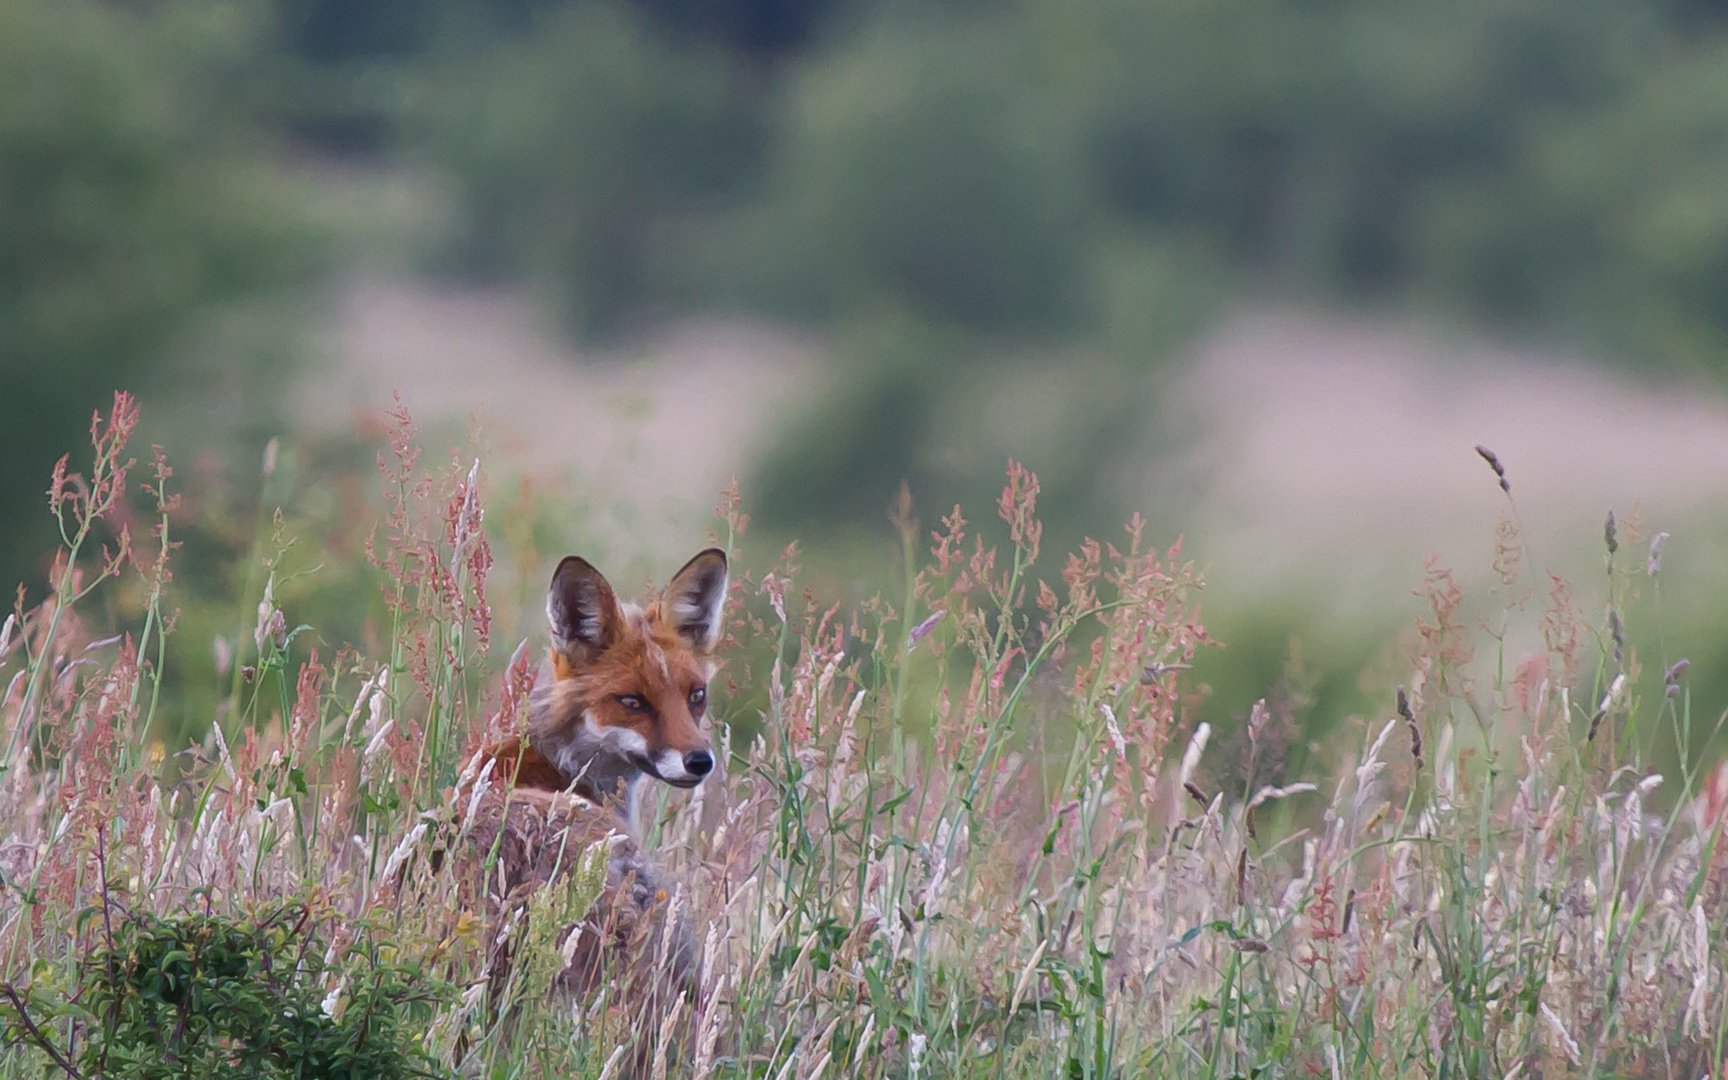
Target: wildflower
[775, 587]
[1652, 567]
[1610, 535]
[271, 449]
[1017, 507]
[1671, 677]
[915, 1054]
[922, 630]
[335, 1003]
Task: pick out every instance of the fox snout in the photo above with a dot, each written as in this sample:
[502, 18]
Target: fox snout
[684, 770]
[675, 749]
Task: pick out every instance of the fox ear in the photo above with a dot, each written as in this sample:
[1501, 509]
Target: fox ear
[694, 602]
[582, 607]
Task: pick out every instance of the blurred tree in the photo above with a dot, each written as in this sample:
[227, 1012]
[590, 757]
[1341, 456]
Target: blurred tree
[982, 162]
[1533, 165]
[917, 170]
[1104, 174]
[350, 69]
[578, 142]
[128, 204]
[847, 458]
[335, 30]
[339, 30]
[761, 28]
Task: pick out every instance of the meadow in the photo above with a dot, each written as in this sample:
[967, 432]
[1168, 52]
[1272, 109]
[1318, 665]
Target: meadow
[968, 827]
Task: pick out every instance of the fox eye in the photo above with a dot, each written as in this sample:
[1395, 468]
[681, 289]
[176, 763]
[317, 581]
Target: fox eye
[632, 702]
[698, 696]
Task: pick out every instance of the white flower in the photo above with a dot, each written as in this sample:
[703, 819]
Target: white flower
[915, 1055]
[335, 1003]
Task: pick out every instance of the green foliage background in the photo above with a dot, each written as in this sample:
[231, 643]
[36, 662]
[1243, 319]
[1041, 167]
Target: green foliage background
[1526, 162]
[1050, 194]
[136, 199]
[1095, 175]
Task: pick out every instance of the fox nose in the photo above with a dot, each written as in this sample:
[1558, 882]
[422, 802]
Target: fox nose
[698, 763]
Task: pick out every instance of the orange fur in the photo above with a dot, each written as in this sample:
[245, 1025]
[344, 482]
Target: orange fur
[524, 767]
[623, 692]
[620, 700]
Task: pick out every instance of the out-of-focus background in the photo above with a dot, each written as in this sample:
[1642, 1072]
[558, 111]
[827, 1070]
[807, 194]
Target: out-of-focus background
[1264, 270]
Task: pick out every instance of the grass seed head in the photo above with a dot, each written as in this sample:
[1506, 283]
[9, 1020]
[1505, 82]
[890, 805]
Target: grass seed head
[1410, 723]
[1494, 463]
[1653, 565]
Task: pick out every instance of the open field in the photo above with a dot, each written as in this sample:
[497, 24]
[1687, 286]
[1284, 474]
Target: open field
[968, 828]
[1325, 456]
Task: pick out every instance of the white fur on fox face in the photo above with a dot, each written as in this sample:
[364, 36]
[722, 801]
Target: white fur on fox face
[622, 739]
[670, 765]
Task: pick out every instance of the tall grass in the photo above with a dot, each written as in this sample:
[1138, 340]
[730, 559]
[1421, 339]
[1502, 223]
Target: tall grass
[964, 830]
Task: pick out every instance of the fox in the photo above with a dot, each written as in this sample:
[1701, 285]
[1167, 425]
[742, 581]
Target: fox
[622, 694]
[618, 703]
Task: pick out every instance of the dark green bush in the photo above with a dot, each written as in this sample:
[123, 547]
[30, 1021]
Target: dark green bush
[194, 997]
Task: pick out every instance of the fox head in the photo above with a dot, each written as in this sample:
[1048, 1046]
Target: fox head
[625, 689]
